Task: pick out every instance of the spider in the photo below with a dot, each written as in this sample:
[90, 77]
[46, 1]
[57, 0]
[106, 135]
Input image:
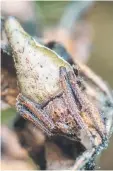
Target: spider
[70, 114]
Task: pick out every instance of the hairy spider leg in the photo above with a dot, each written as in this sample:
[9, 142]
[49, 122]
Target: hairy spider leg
[92, 111]
[38, 117]
[71, 103]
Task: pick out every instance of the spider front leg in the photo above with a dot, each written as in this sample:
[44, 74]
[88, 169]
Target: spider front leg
[74, 102]
[33, 112]
[85, 105]
[84, 112]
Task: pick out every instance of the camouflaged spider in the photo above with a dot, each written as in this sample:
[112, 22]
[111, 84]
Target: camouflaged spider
[70, 114]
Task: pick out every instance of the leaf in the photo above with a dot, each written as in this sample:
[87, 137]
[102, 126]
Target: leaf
[37, 66]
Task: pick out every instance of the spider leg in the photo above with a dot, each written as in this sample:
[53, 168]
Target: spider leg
[31, 111]
[71, 102]
[92, 111]
[83, 159]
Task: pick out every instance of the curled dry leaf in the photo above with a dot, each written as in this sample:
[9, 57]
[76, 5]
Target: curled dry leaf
[36, 80]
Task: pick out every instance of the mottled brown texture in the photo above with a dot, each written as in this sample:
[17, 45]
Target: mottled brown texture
[70, 114]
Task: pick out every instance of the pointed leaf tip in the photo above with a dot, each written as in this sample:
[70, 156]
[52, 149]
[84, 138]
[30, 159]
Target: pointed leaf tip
[37, 66]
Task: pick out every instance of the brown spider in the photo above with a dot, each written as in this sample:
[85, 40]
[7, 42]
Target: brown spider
[69, 114]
